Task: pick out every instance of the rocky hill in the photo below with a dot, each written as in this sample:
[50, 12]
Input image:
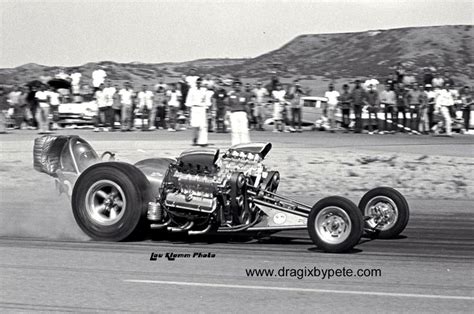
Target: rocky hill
[334, 56]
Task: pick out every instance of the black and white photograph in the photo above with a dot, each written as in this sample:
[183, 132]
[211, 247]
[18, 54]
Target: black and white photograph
[243, 156]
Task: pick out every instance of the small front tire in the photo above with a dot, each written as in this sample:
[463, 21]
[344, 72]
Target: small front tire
[335, 224]
[387, 212]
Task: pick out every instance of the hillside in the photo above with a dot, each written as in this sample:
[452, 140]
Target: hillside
[334, 56]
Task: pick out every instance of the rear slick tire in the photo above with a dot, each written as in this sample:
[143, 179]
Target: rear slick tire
[109, 200]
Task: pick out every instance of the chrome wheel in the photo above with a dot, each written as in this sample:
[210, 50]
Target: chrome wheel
[383, 213]
[105, 202]
[333, 225]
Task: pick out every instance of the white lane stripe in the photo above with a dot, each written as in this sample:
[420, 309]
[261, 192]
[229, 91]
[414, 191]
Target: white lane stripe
[372, 293]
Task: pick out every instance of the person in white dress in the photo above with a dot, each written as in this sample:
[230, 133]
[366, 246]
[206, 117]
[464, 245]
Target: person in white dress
[196, 101]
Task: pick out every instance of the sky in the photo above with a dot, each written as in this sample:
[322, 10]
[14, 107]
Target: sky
[69, 33]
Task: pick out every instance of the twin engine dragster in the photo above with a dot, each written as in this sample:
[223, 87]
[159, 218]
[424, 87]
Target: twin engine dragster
[203, 191]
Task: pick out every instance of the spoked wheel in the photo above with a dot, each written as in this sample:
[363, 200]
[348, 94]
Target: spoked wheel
[109, 201]
[386, 212]
[335, 224]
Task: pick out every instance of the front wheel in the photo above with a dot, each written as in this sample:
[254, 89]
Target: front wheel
[386, 212]
[335, 224]
[109, 201]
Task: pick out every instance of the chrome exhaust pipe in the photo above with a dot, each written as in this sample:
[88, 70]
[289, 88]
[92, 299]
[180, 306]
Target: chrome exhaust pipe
[160, 226]
[196, 232]
[186, 227]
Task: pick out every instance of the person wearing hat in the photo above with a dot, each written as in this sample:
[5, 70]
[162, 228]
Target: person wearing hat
[238, 100]
[196, 101]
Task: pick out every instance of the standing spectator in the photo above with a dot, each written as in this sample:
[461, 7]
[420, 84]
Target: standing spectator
[3, 119]
[145, 106]
[116, 106]
[196, 100]
[424, 126]
[466, 99]
[42, 114]
[373, 102]
[399, 72]
[413, 100]
[250, 106]
[274, 83]
[219, 100]
[430, 97]
[438, 81]
[14, 102]
[54, 102]
[183, 88]
[359, 99]
[98, 77]
[110, 93]
[211, 112]
[296, 104]
[208, 82]
[391, 80]
[21, 114]
[388, 105]
[401, 92]
[345, 105]
[126, 98]
[32, 107]
[174, 98]
[161, 86]
[103, 108]
[75, 85]
[427, 76]
[332, 96]
[238, 117]
[192, 78]
[455, 93]
[279, 103]
[444, 100]
[447, 78]
[259, 109]
[159, 108]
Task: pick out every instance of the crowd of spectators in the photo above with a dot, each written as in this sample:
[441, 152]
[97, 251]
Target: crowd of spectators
[403, 103]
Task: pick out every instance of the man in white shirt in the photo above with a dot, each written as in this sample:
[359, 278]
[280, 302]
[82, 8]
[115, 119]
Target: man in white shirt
[103, 108]
[126, 98]
[75, 81]
[261, 93]
[279, 103]
[98, 77]
[145, 106]
[192, 78]
[333, 99]
[42, 112]
[444, 99]
[174, 98]
[196, 100]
